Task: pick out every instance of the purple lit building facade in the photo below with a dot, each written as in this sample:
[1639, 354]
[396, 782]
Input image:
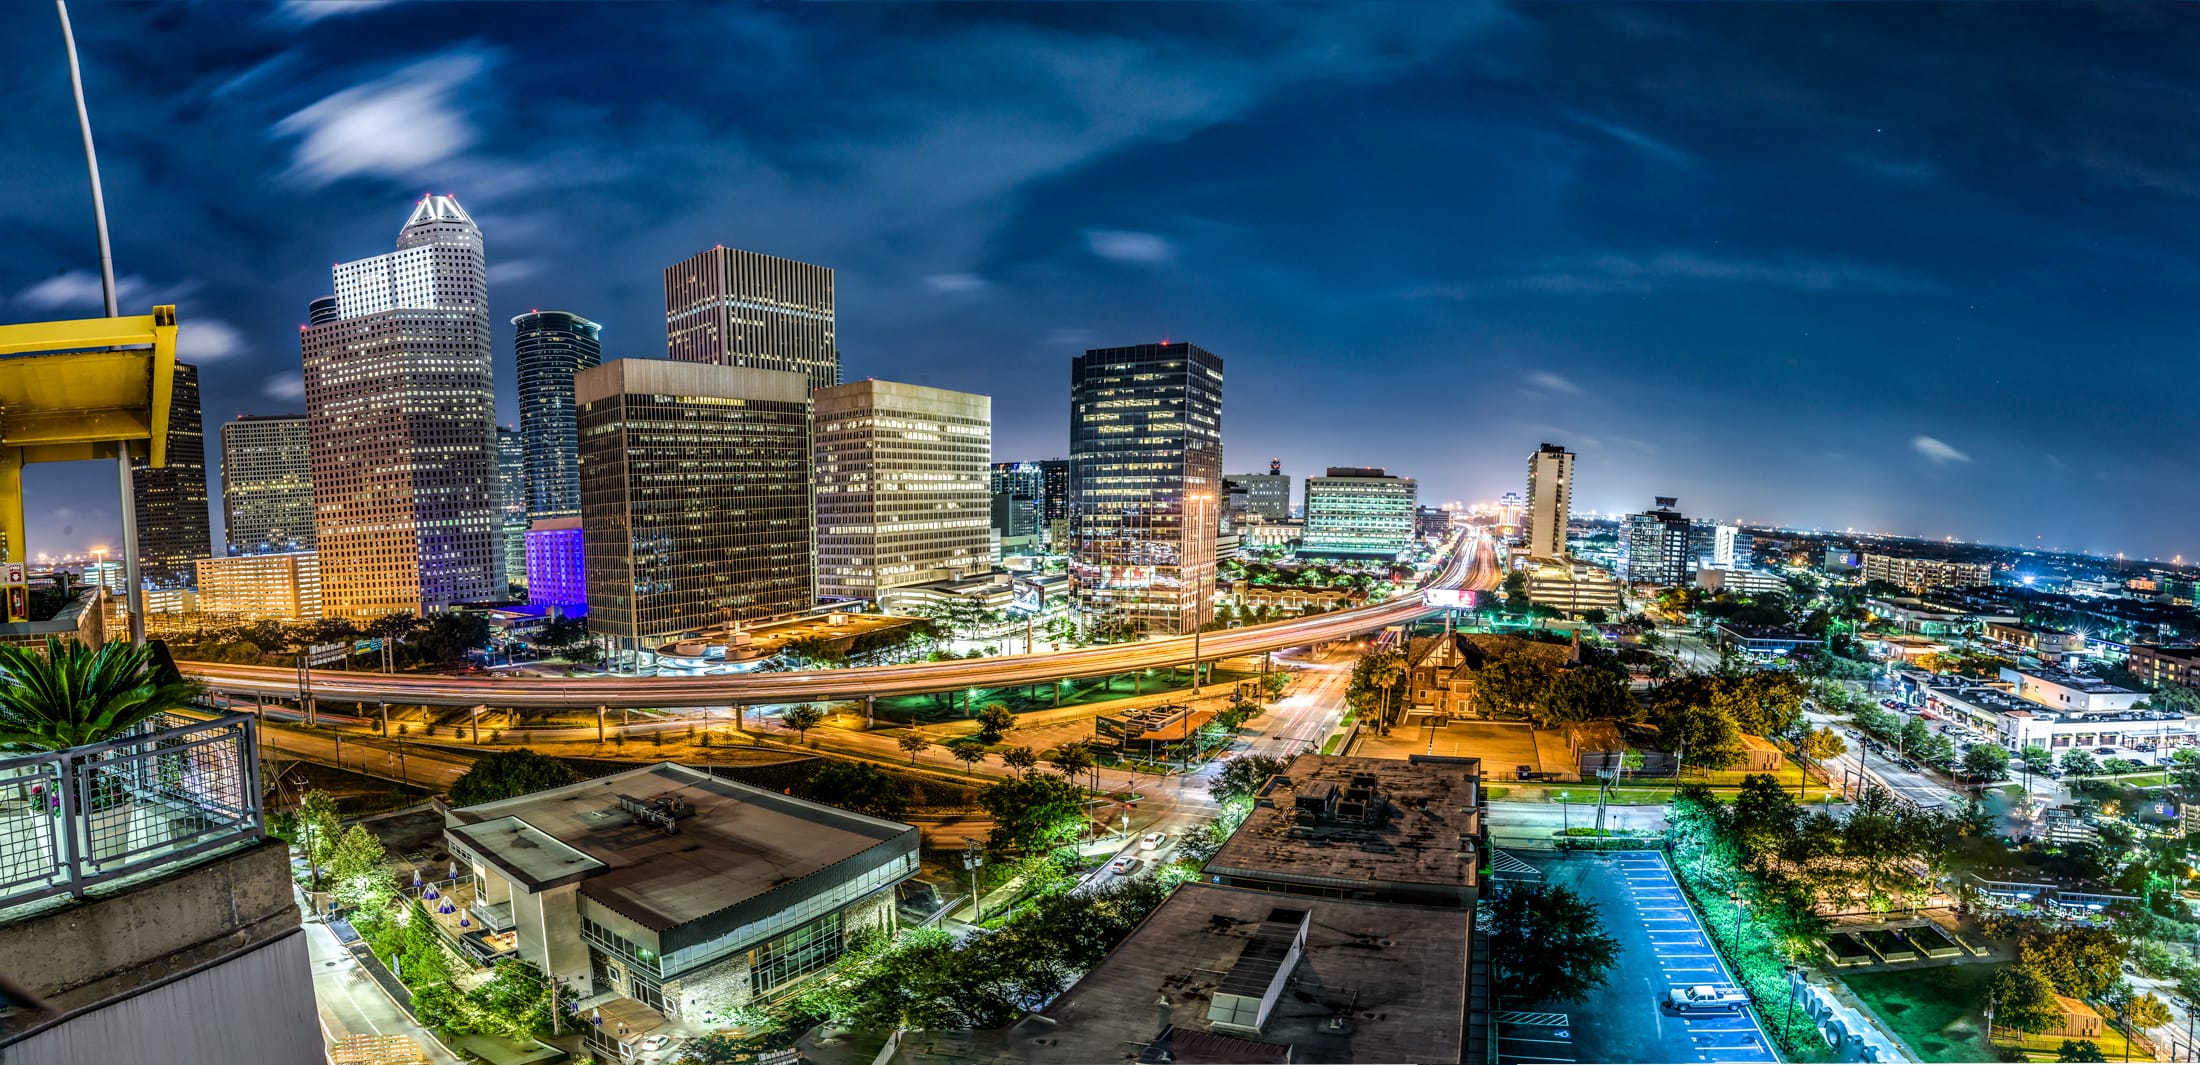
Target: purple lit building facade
[555, 577]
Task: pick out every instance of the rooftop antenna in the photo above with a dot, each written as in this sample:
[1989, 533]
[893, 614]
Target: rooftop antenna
[133, 592]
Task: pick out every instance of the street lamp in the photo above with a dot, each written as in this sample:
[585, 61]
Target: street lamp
[1735, 940]
[973, 859]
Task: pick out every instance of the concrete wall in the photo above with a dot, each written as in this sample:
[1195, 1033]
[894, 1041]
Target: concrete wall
[125, 938]
[548, 925]
[253, 1007]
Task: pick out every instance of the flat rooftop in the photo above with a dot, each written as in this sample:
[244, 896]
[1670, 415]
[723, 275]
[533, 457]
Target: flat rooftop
[1412, 822]
[734, 852]
[2074, 681]
[1395, 974]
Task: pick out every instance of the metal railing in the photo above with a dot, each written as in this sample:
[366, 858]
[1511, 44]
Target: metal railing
[173, 788]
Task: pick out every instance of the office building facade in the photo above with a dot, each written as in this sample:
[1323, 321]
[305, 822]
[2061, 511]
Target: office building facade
[901, 486]
[1355, 512]
[557, 565]
[728, 307]
[1267, 496]
[1146, 483]
[265, 587]
[548, 348]
[1720, 546]
[696, 497]
[401, 407]
[174, 531]
[1550, 502]
[1658, 543]
[512, 496]
[267, 484]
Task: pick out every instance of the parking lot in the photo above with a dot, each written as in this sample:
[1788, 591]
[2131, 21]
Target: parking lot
[1503, 746]
[1661, 948]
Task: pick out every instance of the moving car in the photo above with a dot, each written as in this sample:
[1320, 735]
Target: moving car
[1152, 840]
[1126, 865]
[1706, 997]
[656, 1042]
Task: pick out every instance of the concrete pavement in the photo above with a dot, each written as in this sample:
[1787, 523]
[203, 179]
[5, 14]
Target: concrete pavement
[351, 1003]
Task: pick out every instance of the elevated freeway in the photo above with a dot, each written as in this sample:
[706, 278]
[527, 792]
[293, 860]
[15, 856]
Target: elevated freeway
[1473, 566]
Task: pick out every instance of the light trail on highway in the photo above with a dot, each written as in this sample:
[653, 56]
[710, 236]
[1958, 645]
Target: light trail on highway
[1473, 567]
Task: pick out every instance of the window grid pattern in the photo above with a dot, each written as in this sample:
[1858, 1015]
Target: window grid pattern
[901, 486]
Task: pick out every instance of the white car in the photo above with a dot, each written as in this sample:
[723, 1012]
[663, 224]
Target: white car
[1153, 840]
[1706, 997]
[1126, 865]
[656, 1042]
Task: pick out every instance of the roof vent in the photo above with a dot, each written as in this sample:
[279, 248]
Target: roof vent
[665, 811]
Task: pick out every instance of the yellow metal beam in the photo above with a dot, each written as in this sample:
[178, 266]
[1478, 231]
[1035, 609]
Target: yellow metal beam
[11, 502]
[85, 333]
[82, 388]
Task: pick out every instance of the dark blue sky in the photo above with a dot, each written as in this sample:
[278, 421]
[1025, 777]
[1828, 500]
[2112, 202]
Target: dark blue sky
[1896, 266]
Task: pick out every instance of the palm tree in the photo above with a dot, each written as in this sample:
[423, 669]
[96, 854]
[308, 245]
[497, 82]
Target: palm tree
[72, 695]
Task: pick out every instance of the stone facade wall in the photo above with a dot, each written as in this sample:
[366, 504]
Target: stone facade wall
[725, 985]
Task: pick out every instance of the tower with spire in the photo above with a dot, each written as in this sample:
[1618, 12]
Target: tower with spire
[401, 403]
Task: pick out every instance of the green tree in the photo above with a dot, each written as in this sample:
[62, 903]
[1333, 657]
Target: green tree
[517, 1000]
[1547, 944]
[858, 786]
[1020, 759]
[969, 750]
[1243, 775]
[1511, 685]
[995, 720]
[1070, 759]
[359, 869]
[1586, 694]
[510, 774]
[562, 637]
[2079, 763]
[71, 695]
[2037, 758]
[1034, 813]
[451, 635]
[915, 743]
[713, 1048]
[1690, 727]
[2144, 1011]
[2081, 962]
[2079, 1050]
[318, 829]
[802, 718]
[1987, 761]
[1915, 735]
[2023, 998]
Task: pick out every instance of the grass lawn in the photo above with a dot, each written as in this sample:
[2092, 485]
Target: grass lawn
[1939, 1012]
[2049, 1047]
[932, 708]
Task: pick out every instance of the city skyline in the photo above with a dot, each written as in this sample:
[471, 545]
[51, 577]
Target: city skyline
[1660, 343]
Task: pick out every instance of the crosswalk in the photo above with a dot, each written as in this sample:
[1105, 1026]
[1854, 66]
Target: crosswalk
[1685, 957]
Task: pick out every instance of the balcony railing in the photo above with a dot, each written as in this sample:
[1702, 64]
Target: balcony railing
[173, 788]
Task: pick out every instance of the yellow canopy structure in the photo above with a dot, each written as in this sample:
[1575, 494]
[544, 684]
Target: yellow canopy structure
[77, 390]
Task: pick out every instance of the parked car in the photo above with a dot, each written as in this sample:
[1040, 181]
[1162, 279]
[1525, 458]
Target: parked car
[656, 1042]
[1126, 865]
[1706, 997]
[1526, 772]
[2104, 751]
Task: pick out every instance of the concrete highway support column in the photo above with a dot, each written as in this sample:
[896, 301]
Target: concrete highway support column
[870, 711]
[600, 711]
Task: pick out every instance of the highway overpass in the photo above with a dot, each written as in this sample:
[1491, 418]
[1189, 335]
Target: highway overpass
[1473, 566]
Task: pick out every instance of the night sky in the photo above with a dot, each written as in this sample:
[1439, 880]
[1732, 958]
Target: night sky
[1893, 267]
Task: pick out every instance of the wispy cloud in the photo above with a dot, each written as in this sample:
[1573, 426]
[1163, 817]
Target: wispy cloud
[80, 288]
[1938, 452]
[403, 125]
[1546, 381]
[207, 340]
[306, 11]
[1070, 337]
[1638, 140]
[285, 386]
[505, 271]
[1129, 246]
[956, 283]
[1637, 274]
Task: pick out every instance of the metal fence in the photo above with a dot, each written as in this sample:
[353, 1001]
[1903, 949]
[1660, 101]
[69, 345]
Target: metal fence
[172, 788]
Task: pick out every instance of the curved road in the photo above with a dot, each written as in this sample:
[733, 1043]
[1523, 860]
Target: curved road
[1472, 566]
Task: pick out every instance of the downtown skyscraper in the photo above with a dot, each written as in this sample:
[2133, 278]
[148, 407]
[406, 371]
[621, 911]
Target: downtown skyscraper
[401, 400]
[1145, 483]
[548, 348]
[174, 532]
[696, 500]
[1550, 502]
[901, 486]
[729, 307]
[267, 484]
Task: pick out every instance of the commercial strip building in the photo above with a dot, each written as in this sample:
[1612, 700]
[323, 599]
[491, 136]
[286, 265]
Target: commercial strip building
[2052, 645]
[274, 587]
[735, 308]
[696, 503]
[1762, 640]
[902, 481]
[2157, 664]
[1146, 482]
[1356, 512]
[401, 410]
[549, 348]
[689, 895]
[2095, 715]
[267, 484]
[1920, 575]
[147, 907]
[1335, 925]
